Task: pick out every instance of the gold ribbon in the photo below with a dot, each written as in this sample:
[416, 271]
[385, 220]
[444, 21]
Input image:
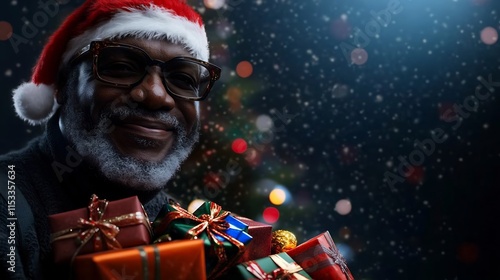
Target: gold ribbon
[213, 224]
[100, 231]
[285, 270]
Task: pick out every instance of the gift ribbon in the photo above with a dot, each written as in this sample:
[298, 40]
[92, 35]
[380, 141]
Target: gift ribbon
[101, 231]
[145, 261]
[213, 224]
[338, 259]
[285, 270]
[144, 265]
[309, 259]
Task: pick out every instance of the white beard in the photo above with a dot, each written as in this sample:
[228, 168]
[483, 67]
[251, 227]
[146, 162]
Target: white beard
[96, 147]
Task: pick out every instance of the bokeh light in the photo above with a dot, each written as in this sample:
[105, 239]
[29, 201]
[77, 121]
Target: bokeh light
[348, 154]
[341, 29]
[5, 30]
[277, 196]
[214, 4]
[224, 29]
[195, 204]
[489, 35]
[253, 157]
[271, 215]
[345, 233]
[263, 186]
[415, 175]
[244, 69]
[239, 145]
[343, 206]
[213, 179]
[359, 56]
[480, 2]
[446, 111]
[234, 98]
[340, 90]
[345, 250]
[264, 123]
[467, 253]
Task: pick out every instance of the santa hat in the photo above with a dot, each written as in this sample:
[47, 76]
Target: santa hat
[173, 20]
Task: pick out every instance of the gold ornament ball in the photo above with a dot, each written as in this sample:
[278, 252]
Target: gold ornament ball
[282, 241]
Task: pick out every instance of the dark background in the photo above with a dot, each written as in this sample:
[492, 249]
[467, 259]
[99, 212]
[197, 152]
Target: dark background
[348, 126]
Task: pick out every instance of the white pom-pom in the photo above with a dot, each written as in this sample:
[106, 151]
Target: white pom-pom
[34, 103]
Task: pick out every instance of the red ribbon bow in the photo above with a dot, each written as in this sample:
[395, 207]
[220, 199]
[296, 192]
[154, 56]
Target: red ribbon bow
[96, 228]
[213, 224]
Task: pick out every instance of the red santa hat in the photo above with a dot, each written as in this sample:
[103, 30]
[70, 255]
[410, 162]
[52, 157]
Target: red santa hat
[173, 20]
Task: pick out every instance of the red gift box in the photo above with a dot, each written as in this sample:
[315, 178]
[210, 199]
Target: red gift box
[101, 226]
[260, 246]
[320, 258]
[175, 260]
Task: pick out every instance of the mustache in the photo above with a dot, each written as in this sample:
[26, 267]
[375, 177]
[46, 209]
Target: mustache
[109, 116]
[121, 113]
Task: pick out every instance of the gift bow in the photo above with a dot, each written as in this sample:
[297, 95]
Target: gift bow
[285, 270]
[213, 224]
[102, 231]
[95, 224]
[338, 259]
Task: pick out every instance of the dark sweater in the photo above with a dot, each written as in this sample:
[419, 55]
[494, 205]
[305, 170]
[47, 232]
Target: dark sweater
[37, 167]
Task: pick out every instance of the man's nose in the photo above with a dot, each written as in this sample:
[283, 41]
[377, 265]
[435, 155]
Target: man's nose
[151, 92]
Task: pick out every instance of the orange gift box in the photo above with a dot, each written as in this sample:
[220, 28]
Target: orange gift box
[175, 260]
[103, 225]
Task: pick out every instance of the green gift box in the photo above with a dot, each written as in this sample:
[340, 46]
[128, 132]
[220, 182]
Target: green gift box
[224, 236]
[278, 266]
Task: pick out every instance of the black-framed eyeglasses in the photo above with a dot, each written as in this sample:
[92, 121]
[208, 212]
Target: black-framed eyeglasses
[124, 65]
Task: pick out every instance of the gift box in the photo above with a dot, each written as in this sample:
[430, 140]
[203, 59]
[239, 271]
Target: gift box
[260, 246]
[176, 260]
[103, 225]
[321, 259]
[224, 236]
[277, 266]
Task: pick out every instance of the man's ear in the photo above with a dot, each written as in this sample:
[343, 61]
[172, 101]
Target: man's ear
[58, 95]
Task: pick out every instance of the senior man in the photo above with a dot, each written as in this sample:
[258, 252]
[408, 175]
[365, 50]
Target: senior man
[117, 87]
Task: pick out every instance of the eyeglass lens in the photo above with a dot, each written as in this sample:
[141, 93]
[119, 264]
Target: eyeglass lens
[127, 66]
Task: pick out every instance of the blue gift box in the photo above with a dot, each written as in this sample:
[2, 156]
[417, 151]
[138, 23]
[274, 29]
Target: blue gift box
[237, 229]
[174, 222]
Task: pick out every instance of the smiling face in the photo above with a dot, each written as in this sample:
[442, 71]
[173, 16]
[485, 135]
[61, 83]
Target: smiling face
[137, 136]
[143, 137]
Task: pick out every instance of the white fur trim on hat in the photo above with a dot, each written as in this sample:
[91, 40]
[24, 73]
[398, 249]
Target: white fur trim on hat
[34, 103]
[152, 22]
